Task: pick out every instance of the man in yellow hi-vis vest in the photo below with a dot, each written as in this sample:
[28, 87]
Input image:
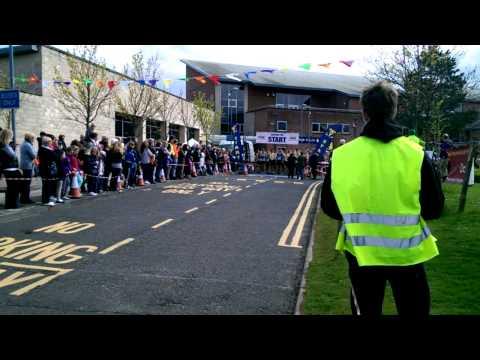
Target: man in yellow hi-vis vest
[383, 188]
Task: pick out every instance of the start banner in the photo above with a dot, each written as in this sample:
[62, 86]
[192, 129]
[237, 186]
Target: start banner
[277, 138]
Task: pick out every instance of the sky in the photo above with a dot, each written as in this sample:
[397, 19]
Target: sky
[276, 56]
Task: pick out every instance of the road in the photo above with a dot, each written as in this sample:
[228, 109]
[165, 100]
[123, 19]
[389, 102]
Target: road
[211, 245]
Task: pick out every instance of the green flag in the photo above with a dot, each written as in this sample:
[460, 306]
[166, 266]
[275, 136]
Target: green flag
[305, 66]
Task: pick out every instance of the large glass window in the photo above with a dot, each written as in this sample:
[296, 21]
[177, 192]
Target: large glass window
[174, 131]
[292, 101]
[124, 127]
[232, 107]
[281, 125]
[154, 131]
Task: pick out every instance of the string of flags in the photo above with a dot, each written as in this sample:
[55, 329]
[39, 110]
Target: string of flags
[215, 78]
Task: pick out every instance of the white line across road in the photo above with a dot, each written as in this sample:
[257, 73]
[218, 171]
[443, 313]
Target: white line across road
[246, 187]
[115, 246]
[211, 201]
[286, 233]
[191, 210]
[228, 194]
[164, 222]
[238, 190]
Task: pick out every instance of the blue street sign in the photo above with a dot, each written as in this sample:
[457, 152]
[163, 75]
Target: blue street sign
[9, 99]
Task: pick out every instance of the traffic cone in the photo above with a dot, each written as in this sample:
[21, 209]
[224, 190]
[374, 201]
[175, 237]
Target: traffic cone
[75, 188]
[140, 180]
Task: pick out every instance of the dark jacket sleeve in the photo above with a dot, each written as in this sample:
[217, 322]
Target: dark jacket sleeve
[432, 199]
[327, 201]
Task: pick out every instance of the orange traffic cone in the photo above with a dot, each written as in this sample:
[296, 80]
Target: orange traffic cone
[75, 188]
[140, 180]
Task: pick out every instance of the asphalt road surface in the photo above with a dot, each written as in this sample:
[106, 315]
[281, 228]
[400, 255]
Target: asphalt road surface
[211, 245]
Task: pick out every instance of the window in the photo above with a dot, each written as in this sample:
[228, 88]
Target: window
[154, 130]
[346, 129]
[323, 127]
[232, 106]
[124, 127]
[174, 131]
[281, 125]
[191, 133]
[292, 101]
[316, 127]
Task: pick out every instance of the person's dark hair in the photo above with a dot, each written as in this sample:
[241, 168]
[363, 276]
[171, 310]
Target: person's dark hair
[379, 102]
[142, 147]
[93, 136]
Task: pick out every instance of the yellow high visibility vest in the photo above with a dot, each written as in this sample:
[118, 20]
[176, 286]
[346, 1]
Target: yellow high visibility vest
[377, 186]
[417, 140]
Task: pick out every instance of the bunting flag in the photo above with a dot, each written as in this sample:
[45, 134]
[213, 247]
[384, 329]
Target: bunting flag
[111, 84]
[153, 82]
[99, 83]
[305, 66]
[33, 80]
[215, 79]
[141, 82]
[167, 83]
[326, 65]
[233, 76]
[348, 63]
[270, 71]
[248, 73]
[87, 81]
[76, 81]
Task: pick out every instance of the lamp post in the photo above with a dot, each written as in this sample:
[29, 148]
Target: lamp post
[12, 86]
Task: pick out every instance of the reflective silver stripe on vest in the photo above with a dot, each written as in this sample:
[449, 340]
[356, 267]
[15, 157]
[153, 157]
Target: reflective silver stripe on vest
[389, 242]
[381, 219]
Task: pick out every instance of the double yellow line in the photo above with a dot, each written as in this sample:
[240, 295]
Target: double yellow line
[309, 194]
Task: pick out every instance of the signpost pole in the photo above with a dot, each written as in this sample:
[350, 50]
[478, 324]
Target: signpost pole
[12, 86]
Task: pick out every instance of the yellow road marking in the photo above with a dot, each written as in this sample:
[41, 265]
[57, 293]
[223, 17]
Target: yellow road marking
[162, 223]
[211, 201]
[293, 219]
[303, 218]
[117, 245]
[228, 194]
[191, 210]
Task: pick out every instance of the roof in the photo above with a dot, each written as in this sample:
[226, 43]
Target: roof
[18, 50]
[473, 95]
[347, 84]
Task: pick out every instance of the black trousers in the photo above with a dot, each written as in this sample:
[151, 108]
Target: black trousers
[25, 194]
[14, 188]
[409, 286]
[48, 190]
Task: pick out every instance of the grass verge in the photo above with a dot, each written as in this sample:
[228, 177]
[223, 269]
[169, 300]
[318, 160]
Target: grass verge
[453, 275]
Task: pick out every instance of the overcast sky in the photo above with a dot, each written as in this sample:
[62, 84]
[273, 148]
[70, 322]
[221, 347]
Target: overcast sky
[280, 56]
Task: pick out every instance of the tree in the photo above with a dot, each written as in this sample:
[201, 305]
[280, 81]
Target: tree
[204, 112]
[168, 104]
[142, 99]
[90, 91]
[429, 82]
[187, 113]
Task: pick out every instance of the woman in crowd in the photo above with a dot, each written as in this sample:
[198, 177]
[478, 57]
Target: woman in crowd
[9, 167]
[271, 161]
[131, 162]
[91, 170]
[280, 158]
[202, 168]
[180, 163]
[163, 160]
[74, 163]
[66, 167]
[116, 158]
[48, 171]
[148, 158]
[27, 157]
[226, 163]
[187, 169]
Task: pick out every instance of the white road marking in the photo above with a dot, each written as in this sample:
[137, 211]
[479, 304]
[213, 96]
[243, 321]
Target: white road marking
[298, 183]
[228, 194]
[211, 201]
[117, 245]
[279, 182]
[293, 219]
[246, 187]
[241, 179]
[303, 218]
[191, 210]
[238, 190]
[165, 222]
[146, 189]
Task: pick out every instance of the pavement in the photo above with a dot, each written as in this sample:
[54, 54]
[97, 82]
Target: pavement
[210, 245]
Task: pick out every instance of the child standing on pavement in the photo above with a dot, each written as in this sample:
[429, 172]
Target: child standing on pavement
[91, 169]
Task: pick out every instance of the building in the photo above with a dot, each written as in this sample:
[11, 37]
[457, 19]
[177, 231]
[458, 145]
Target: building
[290, 101]
[39, 111]
[472, 103]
